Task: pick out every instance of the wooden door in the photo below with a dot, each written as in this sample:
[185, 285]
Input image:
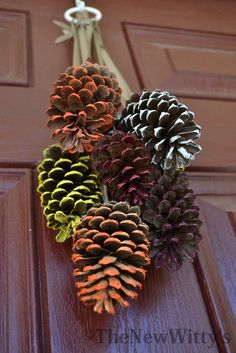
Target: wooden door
[187, 47]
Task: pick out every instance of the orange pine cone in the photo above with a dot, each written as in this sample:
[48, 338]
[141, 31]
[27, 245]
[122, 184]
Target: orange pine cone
[110, 252]
[83, 106]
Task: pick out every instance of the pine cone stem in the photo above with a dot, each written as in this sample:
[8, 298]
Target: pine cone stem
[104, 193]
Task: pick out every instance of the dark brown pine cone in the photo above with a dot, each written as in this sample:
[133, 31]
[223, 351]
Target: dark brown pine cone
[110, 253]
[166, 126]
[83, 105]
[173, 221]
[122, 164]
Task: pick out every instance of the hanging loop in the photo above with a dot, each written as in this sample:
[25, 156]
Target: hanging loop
[80, 7]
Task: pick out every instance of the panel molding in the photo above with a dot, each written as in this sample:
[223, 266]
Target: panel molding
[215, 264]
[186, 62]
[15, 43]
[19, 325]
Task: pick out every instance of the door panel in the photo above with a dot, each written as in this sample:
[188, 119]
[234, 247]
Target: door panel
[168, 302]
[200, 67]
[187, 63]
[39, 307]
[32, 57]
[217, 202]
[15, 61]
[19, 305]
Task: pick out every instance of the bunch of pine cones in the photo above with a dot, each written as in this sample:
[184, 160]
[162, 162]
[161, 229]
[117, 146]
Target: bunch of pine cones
[115, 183]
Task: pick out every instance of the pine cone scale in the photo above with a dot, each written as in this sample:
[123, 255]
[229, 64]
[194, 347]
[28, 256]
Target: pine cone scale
[173, 220]
[122, 164]
[119, 269]
[67, 187]
[82, 103]
[166, 126]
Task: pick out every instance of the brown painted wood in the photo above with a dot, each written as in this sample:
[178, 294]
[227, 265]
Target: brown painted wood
[164, 305]
[23, 140]
[14, 63]
[23, 119]
[19, 307]
[183, 66]
[47, 317]
[217, 201]
[187, 63]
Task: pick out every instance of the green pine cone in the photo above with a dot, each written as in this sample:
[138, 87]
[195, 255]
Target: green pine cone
[68, 189]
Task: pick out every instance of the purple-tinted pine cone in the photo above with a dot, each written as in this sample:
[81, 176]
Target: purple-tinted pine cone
[173, 221]
[122, 164]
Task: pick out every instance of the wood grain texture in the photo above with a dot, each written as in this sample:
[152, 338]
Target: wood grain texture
[15, 48]
[168, 302]
[23, 140]
[23, 118]
[43, 303]
[217, 202]
[18, 304]
[164, 47]
[188, 63]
